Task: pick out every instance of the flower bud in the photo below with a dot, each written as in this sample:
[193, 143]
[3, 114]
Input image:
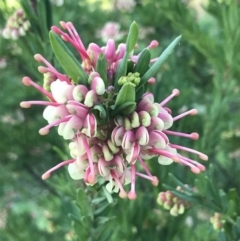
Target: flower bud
[79, 92]
[67, 129]
[108, 156]
[145, 118]
[134, 119]
[90, 98]
[98, 85]
[142, 135]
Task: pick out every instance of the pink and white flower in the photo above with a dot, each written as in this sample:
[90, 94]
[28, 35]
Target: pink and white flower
[104, 145]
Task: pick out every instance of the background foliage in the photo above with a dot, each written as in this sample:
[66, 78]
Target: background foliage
[204, 67]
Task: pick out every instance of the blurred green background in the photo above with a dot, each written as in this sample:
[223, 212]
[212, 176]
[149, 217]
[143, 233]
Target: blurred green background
[204, 67]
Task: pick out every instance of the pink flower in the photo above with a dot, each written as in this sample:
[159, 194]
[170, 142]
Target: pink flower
[110, 30]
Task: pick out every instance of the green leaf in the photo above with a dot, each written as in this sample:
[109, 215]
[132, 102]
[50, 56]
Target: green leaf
[221, 236]
[182, 185]
[125, 109]
[102, 68]
[86, 221]
[122, 66]
[108, 195]
[233, 195]
[181, 195]
[132, 37]
[75, 218]
[98, 200]
[162, 58]
[121, 71]
[126, 94]
[140, 93]
[42, 17]
[130, 66]
[49, 14]
[67, 60]
[84, 203]
[102, 111]
[101, 208]
[142, 64]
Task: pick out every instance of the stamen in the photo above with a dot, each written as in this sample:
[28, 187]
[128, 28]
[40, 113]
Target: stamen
[122, 193]
[50, 68]
[183, 148]
[28, 82]
[153, 44]
[28, 104]
[194, 169]
[71, 29]
[165, 153]
[132, 194]
[145, 167]
[151, 81]
[193, 136]
[153, 179]
[199, 165]
[45, 130]
[153, 60]
[91, 176]
[47, 174]
[190, 112]
[75, 44]
[175, 92]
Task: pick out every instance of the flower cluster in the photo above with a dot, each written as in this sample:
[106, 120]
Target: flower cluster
[217, 222]
[100, 106]
[17, 25]
[173, 203]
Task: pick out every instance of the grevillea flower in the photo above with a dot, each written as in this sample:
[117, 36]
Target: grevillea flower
[113, 125]
[17, 25]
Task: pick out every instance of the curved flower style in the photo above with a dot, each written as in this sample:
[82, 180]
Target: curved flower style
[113, 126]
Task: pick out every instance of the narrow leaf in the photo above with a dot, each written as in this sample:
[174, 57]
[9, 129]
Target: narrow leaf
[126, 94]
[84, 203]
[102, 68]
[108, 195]
[132, 37]
[67, 60]
[162, 58]
[142, 64]
[125, 109]
[122, 66]
[121, 71]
